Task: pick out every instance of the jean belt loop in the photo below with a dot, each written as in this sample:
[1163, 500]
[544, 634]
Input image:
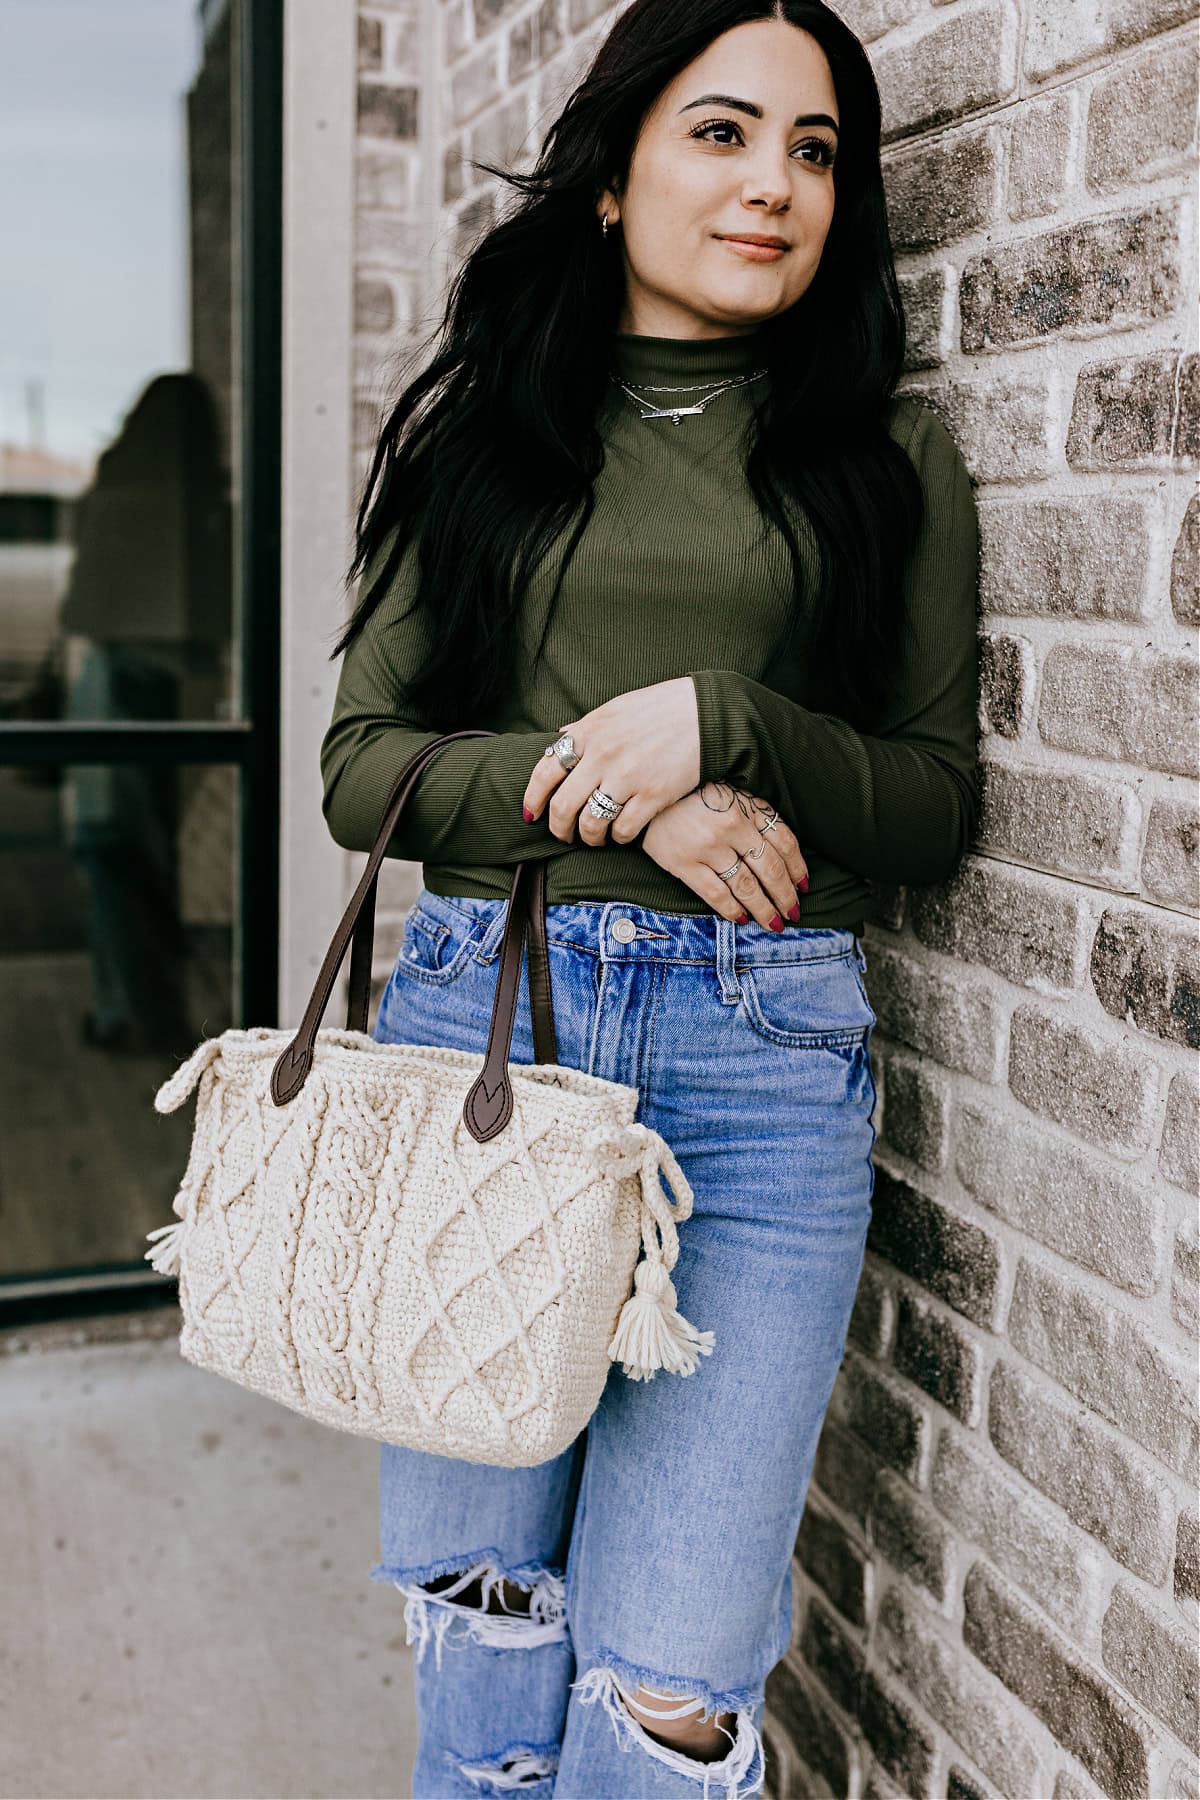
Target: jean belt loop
[731, 991]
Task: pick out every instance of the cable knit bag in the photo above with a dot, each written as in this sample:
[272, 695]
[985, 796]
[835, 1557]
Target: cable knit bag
[431, 1247]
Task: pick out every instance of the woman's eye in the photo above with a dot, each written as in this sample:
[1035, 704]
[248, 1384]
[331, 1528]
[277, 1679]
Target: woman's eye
[824, 150]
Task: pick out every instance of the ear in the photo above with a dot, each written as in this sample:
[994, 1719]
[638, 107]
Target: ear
[610, 205]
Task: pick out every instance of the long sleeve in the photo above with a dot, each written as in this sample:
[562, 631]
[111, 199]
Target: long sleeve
[899, 804]
[467, 803]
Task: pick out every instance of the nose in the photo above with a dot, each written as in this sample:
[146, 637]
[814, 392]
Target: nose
[767, 181]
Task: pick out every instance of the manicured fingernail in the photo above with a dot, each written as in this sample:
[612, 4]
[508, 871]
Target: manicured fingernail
[774, 923]
[794, 912]
[802, 885]
[743, 918]
[527, 815]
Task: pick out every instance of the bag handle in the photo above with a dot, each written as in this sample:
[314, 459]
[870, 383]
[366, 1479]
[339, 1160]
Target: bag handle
[488, 1106]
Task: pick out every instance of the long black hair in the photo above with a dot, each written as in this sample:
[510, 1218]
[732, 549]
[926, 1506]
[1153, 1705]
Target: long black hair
[490, 452]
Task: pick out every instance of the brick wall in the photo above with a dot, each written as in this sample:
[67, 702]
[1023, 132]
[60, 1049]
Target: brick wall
[997, 1575]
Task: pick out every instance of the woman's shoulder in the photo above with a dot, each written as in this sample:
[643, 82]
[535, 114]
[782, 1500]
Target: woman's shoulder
[922, 432]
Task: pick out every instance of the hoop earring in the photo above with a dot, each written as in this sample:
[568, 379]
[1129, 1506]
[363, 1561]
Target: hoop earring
[604, 227]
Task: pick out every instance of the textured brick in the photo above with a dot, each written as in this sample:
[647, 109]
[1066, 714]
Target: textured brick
[370, 43]
[872, 1319]
[1187, 1557]
[1106, 1488]
[977, 1715]
[1185, 1278]
[474, 84]
[883, 1416]
[1075, 1202]
[1185, 567]
[534, 39]
[939, 1356]
[1076, 823]
[1108, 1361]
[916, 1111]
[1058, 36]
[500, 135]
[1123, 416]
[1026, 1539]
[453, 173]
[845, 1471]
[834, 1659]
[1098, 1088]
[1086, 1716]
[924, 298]
[911, 1537]
[1149, 105]
[959, 1786]
[939, 193]
[384, 176]
[955, 1259]
[387, 112]
[1067, 1788]
[488, 12]
[1155, 1659]
[899, 1740]
[1118, 270]
[1081, 559]
[1122, 703]
[820, 1740]
[836, 1563]
[1147, 973]
[1130, 21]
[963, 63]
[1007, 678]
[1001, 426]
[1039, 146]
[953, 1018]
[582, 12]
[374, 305]
[1179, 1153]
[1171, 855]
[1025, 927]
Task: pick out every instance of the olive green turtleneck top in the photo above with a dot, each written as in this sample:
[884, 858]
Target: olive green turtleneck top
[675, 574]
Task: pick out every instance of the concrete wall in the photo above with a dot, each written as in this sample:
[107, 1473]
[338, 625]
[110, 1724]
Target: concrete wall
[997, 1573]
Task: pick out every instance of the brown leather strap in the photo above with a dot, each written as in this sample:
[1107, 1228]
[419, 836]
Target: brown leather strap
[489, 1105]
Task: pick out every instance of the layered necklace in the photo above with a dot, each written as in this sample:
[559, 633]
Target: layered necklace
[675, 413]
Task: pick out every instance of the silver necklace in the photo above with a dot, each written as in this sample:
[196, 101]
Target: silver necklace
[675, 413]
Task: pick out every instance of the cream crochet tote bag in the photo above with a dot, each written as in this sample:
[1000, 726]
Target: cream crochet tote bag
[431, 1247]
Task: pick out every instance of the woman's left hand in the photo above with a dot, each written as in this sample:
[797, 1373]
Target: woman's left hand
[642, 747]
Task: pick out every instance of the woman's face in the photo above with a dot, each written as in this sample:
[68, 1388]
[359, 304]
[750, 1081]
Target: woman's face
[754, 156]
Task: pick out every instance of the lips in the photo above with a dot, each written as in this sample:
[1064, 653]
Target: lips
[750, 237]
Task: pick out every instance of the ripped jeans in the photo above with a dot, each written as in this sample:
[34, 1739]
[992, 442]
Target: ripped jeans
[638, 1586]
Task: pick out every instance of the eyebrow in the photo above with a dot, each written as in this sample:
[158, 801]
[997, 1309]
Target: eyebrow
[755, 112]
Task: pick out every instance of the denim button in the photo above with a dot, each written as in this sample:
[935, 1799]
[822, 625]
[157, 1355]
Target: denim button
[624, 930]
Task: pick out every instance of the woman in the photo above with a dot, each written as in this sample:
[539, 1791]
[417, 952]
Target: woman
[655, 493]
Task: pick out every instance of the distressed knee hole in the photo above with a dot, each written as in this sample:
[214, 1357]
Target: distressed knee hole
[677, 1728]
[521, 1768]
[515, 1609]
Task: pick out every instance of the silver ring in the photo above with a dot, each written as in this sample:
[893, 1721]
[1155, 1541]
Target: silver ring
[564, 749]
[770, 825]
[753, 855]
[601, 805]
[729, 873]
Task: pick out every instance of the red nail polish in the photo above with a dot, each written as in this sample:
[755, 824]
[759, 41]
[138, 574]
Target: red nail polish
[774, 923]
[527, 815]
[742, 919]
[802, 885]
[794, 912]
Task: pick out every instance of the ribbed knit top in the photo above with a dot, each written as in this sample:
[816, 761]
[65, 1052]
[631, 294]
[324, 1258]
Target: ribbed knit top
[676, 573]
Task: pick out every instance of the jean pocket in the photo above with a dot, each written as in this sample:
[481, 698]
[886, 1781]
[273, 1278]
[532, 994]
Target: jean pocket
[436, 945]
[818, 1003]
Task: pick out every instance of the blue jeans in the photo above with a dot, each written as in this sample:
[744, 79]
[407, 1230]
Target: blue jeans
[656, 1551]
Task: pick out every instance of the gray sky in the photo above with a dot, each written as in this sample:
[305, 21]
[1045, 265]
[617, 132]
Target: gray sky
[92, 209]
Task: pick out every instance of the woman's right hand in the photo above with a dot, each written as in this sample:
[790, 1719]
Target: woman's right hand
[704, 831]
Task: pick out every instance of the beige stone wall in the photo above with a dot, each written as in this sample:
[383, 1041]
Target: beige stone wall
[997, 1573]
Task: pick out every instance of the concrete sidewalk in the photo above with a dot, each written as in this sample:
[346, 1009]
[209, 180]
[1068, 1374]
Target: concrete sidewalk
[186, 1609]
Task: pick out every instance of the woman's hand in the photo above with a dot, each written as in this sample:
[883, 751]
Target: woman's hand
[705, 830]
[642, 747]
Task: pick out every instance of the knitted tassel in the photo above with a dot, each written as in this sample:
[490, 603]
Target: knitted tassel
[651, 1335]
[166, 1252]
